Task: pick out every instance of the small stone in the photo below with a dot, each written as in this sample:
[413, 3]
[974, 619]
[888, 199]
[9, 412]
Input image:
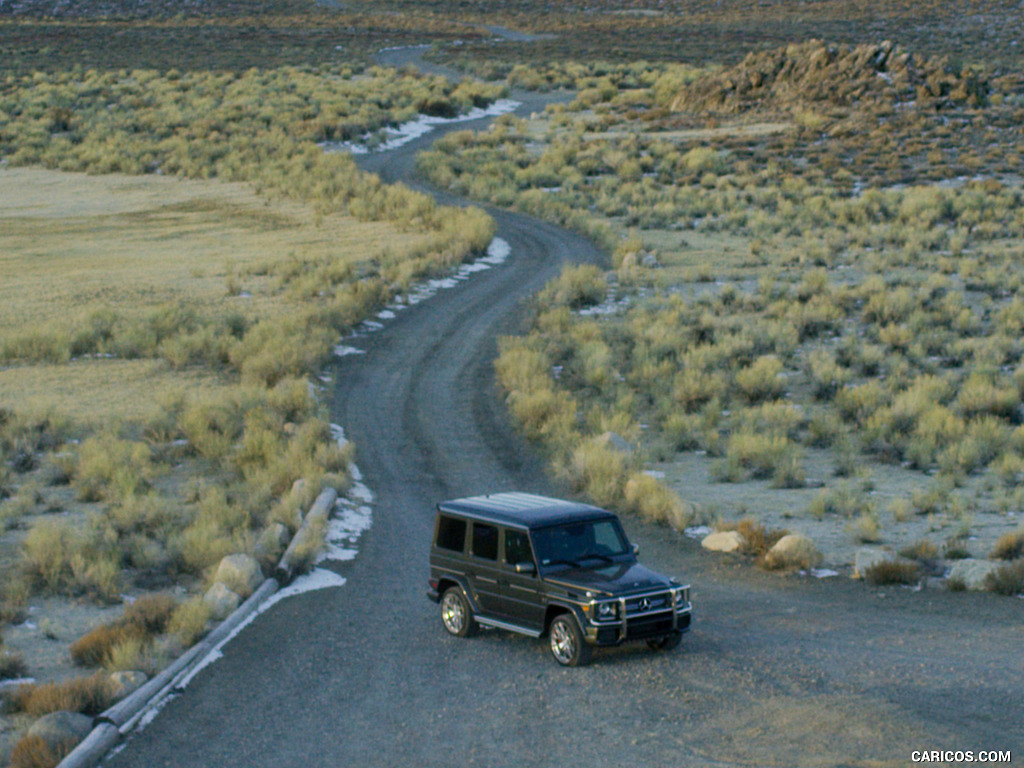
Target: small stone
[239, 573]
[221, 600]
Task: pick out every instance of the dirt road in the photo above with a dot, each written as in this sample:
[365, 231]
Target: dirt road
[778, 671]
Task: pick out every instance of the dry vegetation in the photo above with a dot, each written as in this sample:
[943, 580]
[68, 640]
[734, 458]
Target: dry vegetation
[179, 259]
[846, 286]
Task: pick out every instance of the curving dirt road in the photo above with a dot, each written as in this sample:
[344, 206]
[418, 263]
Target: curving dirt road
[778, 671]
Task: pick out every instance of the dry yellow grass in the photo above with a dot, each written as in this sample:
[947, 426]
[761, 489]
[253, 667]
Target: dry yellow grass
[85, 391]
[71, 244]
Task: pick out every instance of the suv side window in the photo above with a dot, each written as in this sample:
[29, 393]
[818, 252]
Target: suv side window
[485, 541]
[517, 547]
[451, 533]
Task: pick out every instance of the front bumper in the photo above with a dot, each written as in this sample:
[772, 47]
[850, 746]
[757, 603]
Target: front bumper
[639, 626]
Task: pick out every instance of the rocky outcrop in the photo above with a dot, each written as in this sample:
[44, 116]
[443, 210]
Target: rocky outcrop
[816, 73]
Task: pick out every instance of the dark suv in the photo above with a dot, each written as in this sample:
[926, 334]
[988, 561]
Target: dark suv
[539, 566]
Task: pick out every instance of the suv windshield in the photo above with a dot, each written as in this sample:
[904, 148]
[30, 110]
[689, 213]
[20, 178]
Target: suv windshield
[576, 544]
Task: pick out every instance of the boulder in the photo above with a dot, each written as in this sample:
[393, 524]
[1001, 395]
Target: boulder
[972, 573]
[793, 551]
[724, 541]
[61, 730]
[125, 682]
[221, 600]
[239, 573]
[867, 557]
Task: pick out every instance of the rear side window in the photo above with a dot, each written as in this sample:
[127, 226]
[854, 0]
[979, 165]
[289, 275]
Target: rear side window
[451, 533]
[485, 541]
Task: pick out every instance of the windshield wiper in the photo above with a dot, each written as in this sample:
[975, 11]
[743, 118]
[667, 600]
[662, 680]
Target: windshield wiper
[606, 558]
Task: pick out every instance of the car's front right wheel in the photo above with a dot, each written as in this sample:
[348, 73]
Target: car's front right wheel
[567, 644]
[456, 615]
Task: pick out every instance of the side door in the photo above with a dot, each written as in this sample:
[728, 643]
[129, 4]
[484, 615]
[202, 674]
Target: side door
[524, 603]
[483, 570]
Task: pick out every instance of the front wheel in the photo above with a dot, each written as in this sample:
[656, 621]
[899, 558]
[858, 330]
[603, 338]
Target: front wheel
[666, 643]
[456, 615]
[567, 644]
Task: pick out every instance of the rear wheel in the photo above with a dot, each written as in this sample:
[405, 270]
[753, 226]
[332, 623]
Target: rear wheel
[666, 643]
[567, 644]
[456, 615]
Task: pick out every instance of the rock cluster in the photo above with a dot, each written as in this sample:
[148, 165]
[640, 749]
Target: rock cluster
[816, 73]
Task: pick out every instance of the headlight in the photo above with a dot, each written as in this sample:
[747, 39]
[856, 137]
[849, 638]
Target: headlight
[607, 611]
[682, 596]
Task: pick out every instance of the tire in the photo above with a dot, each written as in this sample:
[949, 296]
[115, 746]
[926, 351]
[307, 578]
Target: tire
[567, 644]
[456, 615]
[666, 643]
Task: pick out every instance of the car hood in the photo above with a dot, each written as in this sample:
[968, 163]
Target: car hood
[615, 579]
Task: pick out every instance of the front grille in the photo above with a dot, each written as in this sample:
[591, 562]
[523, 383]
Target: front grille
[646, 604]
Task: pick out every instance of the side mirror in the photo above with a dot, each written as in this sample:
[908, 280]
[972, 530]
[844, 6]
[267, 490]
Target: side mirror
[527, 568]
[636, 549]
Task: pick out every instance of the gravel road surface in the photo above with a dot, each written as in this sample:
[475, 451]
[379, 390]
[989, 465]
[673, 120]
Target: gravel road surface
[778, 671]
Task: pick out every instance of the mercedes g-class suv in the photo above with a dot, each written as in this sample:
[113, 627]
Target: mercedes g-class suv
[539, 566]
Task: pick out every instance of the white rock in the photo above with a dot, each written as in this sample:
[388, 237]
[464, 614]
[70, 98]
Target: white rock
[723, 541]
[239, 573]
[972, 573]
[221, 600]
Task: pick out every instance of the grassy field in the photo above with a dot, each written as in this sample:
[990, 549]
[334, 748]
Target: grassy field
[813, 321]
[812, 318]
[179, 259]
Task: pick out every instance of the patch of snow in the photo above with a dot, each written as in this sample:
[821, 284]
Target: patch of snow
[823, 573]
[341, 350]
[395, 137]
[697, 531]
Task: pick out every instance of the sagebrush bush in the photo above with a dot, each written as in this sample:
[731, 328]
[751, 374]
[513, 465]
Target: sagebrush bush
[893, 572]
[189, 620]
[599, 471]
[1007, 579]
[88, 695]
[578, 286]
[34, 752]
[647, 496]
[1009, 546]
[12, 665]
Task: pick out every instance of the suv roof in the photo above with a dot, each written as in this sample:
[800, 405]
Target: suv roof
[523, 509]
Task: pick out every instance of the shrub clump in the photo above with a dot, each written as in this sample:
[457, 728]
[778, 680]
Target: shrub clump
[893, 572]
[143, 620]
[1007, 579]
[88, 695]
